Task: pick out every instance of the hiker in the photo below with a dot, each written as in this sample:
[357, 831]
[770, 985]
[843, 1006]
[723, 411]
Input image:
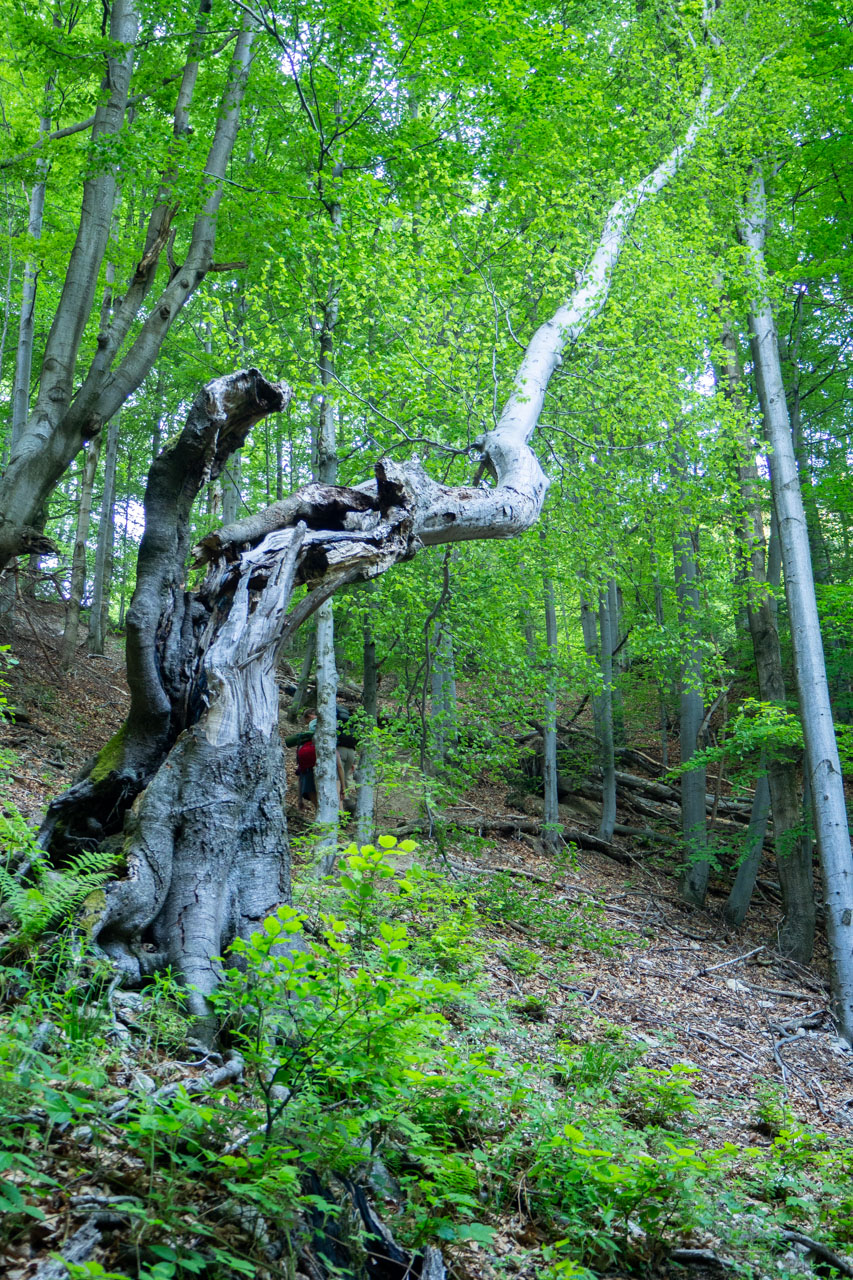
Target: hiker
[306, 760]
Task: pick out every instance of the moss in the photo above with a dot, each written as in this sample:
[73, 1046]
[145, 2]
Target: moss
[109, 757]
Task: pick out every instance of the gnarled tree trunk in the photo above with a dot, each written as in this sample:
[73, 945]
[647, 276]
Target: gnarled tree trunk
[196, 768]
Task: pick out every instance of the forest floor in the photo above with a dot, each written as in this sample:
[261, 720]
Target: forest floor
[751, 1031]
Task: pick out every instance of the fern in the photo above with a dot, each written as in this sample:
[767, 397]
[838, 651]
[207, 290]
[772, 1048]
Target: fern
[47, 899]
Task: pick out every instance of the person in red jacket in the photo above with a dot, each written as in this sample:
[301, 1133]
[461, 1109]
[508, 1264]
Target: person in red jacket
[306, 760]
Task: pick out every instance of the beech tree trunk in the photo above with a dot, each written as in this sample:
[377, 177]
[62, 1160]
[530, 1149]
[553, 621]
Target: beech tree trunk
[796, 934]
[821, 750]
[551, 815]
[740, 894]
[189, 787]
[694, 877]
[608, 758]
[442, 683]
[365, 803]
[59, 424]
[77, 587]
[99, 612]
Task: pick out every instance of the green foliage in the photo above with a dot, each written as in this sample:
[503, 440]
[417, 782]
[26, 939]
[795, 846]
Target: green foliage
[756, 729]
[558, 923]
[45, 899]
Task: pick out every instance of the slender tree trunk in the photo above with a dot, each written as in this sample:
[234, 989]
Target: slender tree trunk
[326, 471]
[694, 877]
[589, 630]
[608, 757]
[99, 612]
[26, 328]
[821, 750]
[232, 500]
[442, 678]
[77, 588]
[59, 425]
[614, 612]
[740, 895]
[551, 823]
[365, 804]
[304, 675]
[662, 704]
[326, 737]
[796, 934]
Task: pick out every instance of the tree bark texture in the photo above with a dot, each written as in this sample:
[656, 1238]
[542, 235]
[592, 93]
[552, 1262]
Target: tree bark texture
[821, 750]
[195, 769]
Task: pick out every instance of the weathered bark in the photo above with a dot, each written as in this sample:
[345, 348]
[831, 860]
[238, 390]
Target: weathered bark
[821, 750]
[201, 736]
[77, 587]
[100, 607]
[551, 831]
[694, 877]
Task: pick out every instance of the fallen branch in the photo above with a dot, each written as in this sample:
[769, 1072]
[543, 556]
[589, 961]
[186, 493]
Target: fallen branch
[822, 1251]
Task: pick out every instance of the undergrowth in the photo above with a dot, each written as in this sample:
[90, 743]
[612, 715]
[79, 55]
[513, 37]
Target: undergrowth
[358, 1043]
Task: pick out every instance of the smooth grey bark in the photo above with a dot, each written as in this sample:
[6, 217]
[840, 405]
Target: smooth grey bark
[694, 876]
[796, 933]
[99, 610]
[663, 710]
[27, 323]
[589, 630]
[59, 425]
[619, 658]
[39, 451]
[740, 894]
[325, 470]
[77, 586]
[365, 802]
[326, 737]
[607, 744]
[821, 750]
[551, 830]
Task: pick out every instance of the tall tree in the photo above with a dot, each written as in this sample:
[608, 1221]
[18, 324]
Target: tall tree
[821, 749]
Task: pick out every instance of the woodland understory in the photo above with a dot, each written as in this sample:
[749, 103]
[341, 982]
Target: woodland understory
[707, 1096]
[426, 588]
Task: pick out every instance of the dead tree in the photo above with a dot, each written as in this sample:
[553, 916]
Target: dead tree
[190, 786]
